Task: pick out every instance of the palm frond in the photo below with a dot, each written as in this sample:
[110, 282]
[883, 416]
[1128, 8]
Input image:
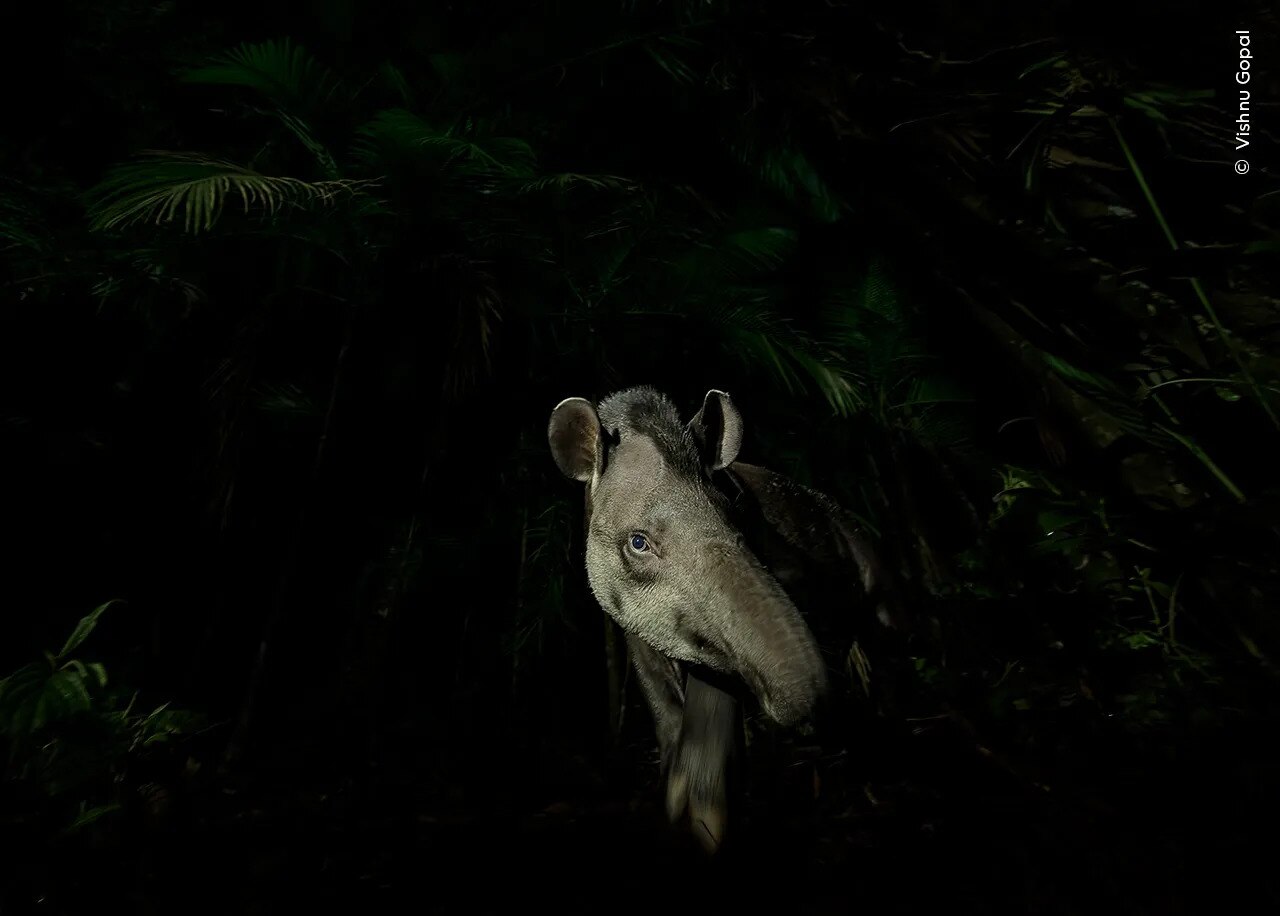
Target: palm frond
[865, 319]
[393, 78]
[286, 399]
[165, 185]
[787, 172]
[18, 219]
[664, 51]
[466, 146]
[282, 72]
[752, 330]
[564, 182]
[287, 77]
[306, 136]
[739, 256]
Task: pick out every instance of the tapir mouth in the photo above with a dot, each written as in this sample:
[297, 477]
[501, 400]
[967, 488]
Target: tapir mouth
[788, 693]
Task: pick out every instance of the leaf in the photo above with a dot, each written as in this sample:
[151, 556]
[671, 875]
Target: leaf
[302, 130]
[88, 816]
[164, 723]
[72, 695]
[841, 395]
[448, 66]
[564, 182]
[165, 184]
[19, 724]
[394, 79]
[282, 72]
[22, 224]
[790, 174]
[1053, 61]
[669, 61]
[19, 690]
[285, 75]
[47, 706]
[758, 250]
[84, 628]
[754, 332]
[1140, 640]
[465, 146]
[287, 399]
[739, 257]
[1073, 373]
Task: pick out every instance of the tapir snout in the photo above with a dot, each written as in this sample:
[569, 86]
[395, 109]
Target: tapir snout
[762, 637]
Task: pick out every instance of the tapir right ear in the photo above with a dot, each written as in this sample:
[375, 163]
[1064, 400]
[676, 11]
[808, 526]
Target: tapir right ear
[577, 441]
[717, 428]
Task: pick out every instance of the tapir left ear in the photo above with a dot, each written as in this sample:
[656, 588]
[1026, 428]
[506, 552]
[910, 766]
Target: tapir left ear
[576, 438]
[717, 428]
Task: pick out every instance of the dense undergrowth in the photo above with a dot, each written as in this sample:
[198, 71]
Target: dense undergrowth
[284, 318]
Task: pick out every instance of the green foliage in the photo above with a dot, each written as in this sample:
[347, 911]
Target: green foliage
[48, 692]
[71, 737]
[788, 172]
[968, 285]
[166, 186]
[281, 72]
[465, 148]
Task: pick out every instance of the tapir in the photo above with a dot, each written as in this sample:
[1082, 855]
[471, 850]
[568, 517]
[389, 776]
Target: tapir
[700, 558]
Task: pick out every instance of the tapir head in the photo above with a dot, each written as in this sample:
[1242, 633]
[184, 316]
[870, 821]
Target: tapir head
[662, 557]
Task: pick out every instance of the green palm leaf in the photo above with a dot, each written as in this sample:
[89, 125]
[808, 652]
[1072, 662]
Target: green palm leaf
[22, 225]
[736, 257]
[751, 329]
[289, 78]
[165, 185]
[394, 80]
[564, 182]
[464, 147]
[788, 173]
[284, 73]
[664, 51]
[866, 321]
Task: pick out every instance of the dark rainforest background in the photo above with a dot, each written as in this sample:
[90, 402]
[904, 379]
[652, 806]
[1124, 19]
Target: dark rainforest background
[295, 612]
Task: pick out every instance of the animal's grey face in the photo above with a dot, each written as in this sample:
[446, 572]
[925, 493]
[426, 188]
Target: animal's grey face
[663, 559]
[654, 540]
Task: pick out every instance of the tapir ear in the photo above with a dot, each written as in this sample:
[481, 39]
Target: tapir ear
[717, 428]
[576, 438]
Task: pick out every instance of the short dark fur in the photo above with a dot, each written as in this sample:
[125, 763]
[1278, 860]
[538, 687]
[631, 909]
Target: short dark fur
[648, 412]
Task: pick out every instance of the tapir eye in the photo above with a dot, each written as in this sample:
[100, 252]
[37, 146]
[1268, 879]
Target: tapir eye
[639, 543]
